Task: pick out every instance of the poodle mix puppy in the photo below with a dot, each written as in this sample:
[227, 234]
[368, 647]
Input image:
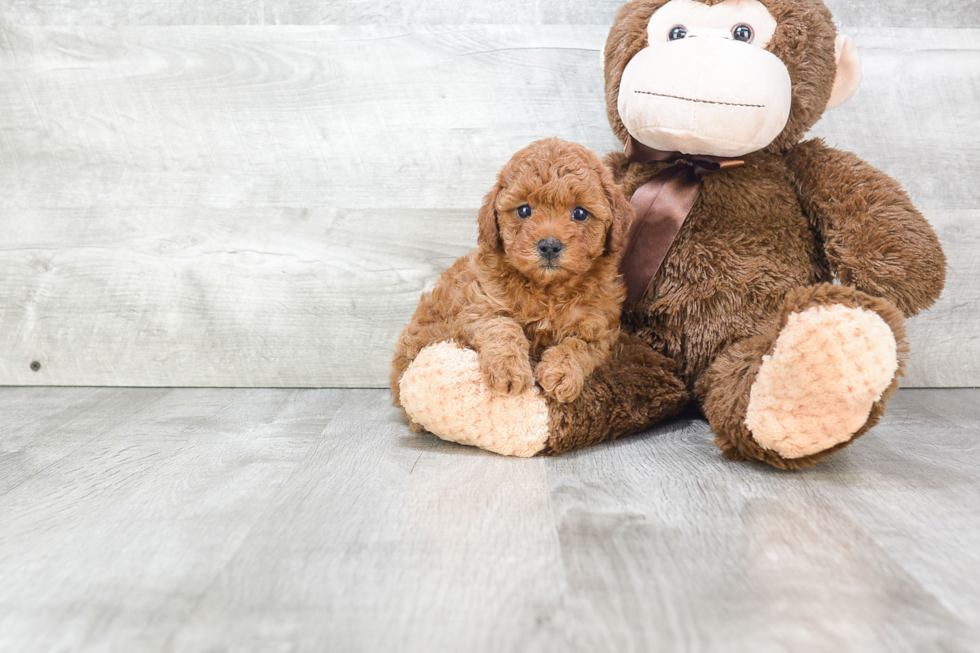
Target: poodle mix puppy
[540, 298]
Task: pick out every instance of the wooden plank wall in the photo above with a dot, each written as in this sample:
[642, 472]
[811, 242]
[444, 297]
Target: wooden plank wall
[235, 193]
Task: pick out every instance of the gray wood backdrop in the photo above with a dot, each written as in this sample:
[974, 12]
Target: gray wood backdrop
[234, 193]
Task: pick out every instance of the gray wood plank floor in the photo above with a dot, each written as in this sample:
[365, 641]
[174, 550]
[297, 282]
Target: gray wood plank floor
[313, 520]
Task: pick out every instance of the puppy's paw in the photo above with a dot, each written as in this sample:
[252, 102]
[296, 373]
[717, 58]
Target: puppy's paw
[506, 374]
[560, 376]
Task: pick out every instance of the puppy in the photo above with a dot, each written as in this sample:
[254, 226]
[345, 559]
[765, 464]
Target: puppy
[540, 297]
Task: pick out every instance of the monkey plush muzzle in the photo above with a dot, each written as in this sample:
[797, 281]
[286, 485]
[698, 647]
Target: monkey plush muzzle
[705, 95]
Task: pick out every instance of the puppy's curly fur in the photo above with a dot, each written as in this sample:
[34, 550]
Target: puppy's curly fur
[528, 314]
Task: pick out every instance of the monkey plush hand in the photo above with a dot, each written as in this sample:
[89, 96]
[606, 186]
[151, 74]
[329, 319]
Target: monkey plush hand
[742, 315]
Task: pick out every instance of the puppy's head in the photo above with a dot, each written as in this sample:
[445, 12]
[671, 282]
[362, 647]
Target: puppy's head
[555, 212]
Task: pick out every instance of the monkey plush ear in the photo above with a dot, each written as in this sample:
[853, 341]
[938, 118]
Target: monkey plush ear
[848, 72]
[489, 229]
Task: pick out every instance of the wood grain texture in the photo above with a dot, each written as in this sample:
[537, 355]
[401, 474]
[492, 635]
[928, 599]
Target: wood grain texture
[145, 511]
[850, 13]
[278, 296]
[262, 206]
[304, 521]
[50, 424]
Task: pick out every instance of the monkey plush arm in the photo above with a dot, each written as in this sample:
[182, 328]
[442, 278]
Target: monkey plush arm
[875, 239]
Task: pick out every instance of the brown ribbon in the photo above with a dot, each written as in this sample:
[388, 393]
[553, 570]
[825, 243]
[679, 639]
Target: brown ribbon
[662, 204]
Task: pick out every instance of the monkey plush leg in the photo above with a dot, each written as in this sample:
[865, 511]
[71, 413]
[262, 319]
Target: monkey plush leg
[633, 391]
[816, 382]
[444, 391]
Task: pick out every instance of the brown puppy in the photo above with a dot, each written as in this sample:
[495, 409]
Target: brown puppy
[540, 297]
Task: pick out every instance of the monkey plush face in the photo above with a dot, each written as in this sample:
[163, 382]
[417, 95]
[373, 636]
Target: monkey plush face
[724, 77]
[739, 103]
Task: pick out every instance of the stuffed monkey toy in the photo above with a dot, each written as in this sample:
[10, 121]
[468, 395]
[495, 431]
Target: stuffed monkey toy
[742, 230]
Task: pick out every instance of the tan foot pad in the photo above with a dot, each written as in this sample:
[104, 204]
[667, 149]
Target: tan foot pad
[443, 390]
[829, 366]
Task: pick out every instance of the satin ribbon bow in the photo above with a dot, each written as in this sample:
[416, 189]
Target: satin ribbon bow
[662, 205]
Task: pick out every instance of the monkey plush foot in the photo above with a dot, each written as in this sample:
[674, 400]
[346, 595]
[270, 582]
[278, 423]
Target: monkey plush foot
[444, 391]
[829, 366]
[812, 381]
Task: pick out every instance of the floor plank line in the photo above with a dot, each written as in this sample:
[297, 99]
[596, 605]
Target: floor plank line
[187, 520]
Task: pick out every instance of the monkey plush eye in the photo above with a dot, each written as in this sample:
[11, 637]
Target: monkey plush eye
[580, 214]
[677, 33]
[742, 32]
[524, 212]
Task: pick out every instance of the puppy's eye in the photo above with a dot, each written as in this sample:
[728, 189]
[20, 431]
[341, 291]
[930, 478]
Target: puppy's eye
[580, 214]
[676, 33]
[743, 32]
[524, 212]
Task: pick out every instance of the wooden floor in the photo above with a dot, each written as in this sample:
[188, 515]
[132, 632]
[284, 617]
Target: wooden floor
[304, 520]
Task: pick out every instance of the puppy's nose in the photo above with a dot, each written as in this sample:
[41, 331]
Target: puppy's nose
[550, 248]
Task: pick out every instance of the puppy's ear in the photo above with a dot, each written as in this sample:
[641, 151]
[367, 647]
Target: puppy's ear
[622, 216]
[489, 234]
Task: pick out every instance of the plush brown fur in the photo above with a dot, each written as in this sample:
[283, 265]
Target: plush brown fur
[637, 387]
[527, 317]
[761, 242]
